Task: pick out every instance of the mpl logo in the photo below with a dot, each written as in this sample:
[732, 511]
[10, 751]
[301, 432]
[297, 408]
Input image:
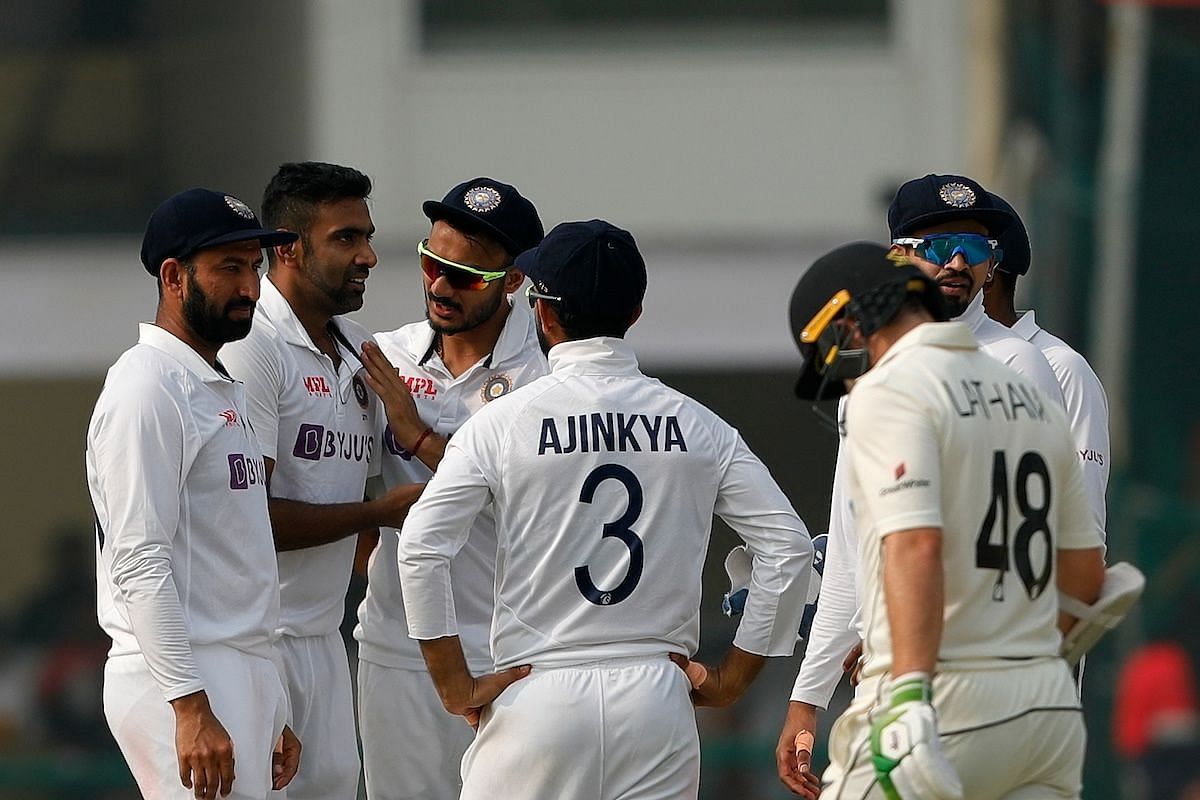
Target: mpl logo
[309, 442]
[317, 386]
[423, 387]
[246, 472]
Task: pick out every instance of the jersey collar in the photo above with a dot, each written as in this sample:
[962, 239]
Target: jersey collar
[1026, 326]
[160, 339]
[948, 335]
[973, 315]
[605, 355]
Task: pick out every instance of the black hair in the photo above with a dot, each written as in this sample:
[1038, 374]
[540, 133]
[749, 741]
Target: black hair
[291, 198]
[581, 325]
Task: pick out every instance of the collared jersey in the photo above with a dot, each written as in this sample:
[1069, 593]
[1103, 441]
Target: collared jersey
[445, 403]
[941, 435]
[320, 426]
[178, 485]
[1007, 346]
[604, 483]
[1086, 404]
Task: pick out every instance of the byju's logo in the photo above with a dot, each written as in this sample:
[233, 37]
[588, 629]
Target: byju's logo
[309, 441]
[246, 472]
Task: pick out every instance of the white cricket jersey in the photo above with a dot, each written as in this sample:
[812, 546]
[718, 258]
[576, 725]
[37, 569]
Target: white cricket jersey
[941, 435]
[837, 626]
[604, 484]
[445, 403]
[320, 426]
[178, 485]
[1086, 404]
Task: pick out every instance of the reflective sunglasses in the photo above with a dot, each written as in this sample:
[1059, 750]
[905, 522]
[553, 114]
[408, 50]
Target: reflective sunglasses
[533, 295]
[463, 277]
[940, 248]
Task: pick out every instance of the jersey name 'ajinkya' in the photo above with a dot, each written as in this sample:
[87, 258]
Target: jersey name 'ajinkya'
[611, 433]
[972, 397]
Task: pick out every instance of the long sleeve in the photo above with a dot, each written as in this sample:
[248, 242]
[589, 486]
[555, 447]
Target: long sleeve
[1087, 412]
[751, 503]
[138, 458]
[437, 527]
[832, 634]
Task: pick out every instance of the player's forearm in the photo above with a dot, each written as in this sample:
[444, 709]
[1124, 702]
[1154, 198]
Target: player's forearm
[914, 587]
[297, 525]
[448, 668]
[158, 624]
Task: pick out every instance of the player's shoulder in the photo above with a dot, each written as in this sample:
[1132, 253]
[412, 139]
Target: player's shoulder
[402, 343]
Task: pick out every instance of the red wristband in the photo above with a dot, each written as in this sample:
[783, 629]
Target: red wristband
[420, 441]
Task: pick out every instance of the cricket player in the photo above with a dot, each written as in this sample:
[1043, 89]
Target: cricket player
[1084, 397]
[603, 483]
[318, 427]
[185, 568]
[971, 517]
[473, 347]
[946, 224]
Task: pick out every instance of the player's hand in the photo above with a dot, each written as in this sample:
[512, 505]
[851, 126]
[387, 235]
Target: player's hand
[396, 502]
[203, 747]
[793, 754]
[852, 663]
[905, 747]
[382, 377]
[285, 761]
[478, 693]
[720, 686]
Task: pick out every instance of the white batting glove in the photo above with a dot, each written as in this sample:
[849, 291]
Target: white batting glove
[905, 748]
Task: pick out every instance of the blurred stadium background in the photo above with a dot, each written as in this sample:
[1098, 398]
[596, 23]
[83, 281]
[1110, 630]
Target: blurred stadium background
[736, 140]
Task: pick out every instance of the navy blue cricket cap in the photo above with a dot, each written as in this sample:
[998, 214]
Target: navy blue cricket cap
[492, 207]
[594, 266]
[197, 219]
[1014, 242]
[935, 199]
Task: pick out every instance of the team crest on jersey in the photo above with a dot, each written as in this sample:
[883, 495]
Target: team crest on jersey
[360, 391]
[482, 199]
[958, 195]
[239, 208]
[496, 386]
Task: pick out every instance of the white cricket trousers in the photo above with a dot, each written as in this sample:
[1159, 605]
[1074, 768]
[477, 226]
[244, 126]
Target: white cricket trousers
[619, 729]
[412, 746]
[1015, 733]
[316, 673]
[246, 696]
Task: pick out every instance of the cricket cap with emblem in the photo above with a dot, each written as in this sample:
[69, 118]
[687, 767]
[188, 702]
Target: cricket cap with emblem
[492, 207]
[197, 219]
[934, 199]
[1014, 242]
[594, 266]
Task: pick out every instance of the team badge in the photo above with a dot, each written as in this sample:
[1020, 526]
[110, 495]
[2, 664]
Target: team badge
[482, 199]
[496, 386]
[239, 208]
[360, 391]
[958, 195]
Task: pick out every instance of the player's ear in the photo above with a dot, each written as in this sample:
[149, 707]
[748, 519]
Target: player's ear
[290, 252]
[637, 314]
[513, 280]
[170, 276]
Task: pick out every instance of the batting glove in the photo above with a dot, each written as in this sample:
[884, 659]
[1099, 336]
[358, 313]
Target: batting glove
[905, 748]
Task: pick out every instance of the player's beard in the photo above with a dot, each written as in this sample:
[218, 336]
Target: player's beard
[210, 323]
[342, 297]
[543, 342]
[471, 320]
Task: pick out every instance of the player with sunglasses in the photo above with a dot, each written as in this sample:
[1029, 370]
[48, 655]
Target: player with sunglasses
[948, 226]
[474, 345]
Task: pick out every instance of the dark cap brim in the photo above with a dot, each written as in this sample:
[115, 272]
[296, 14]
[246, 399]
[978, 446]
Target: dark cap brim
[996, 220]
[466, 221]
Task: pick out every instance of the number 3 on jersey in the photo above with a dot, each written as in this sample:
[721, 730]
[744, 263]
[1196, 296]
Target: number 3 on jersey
[618, 528]
[990, 555]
